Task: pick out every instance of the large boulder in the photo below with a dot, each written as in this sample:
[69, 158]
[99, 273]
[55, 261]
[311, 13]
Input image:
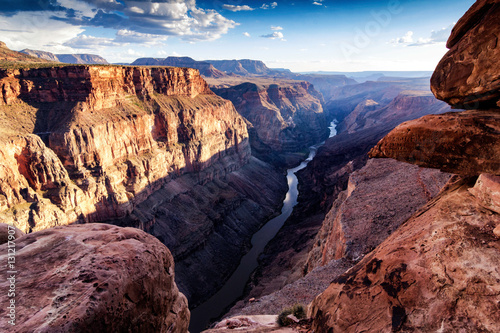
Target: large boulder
[468, 75]
[91, 278]
[466, 143]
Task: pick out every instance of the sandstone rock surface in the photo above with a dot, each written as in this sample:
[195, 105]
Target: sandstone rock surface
[467, 76]
[93, 278]
[111, 137]
[436, 272]
[379, 198]
[464, 143]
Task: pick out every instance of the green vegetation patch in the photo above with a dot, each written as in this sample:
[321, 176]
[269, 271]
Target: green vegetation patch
[298, 310]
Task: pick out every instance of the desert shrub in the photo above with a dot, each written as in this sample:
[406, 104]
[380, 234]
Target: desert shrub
[297, 310]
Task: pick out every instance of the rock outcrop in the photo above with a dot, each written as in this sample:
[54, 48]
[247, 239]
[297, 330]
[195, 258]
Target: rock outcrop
[465, 143]
[437, 272]
[92, 278]
[467, 76]
[285, 116]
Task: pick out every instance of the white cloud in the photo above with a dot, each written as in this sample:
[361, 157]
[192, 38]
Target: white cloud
[234, 8]
[437, 36]
[128, 36]
[89, 42]
[276, 27]
[246, 34]
[37, 31]
[406, 39]
[271, 5]
[181, 18]
[317, 3]
[274, 35]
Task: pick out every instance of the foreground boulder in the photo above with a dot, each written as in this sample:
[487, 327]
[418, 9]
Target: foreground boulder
[466, 143]
[92, 278]
[467, 76]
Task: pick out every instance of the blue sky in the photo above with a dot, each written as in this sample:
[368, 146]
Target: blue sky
[307, 35]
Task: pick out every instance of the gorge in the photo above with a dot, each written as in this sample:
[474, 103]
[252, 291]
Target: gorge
[150, 198]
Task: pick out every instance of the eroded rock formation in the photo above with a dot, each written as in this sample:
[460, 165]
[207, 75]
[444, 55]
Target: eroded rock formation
[92, 278]
[437, 272]
[113, 135]
[285, 116]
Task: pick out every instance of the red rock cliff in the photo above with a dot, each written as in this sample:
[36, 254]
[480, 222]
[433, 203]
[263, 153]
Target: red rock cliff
[286, 116]
[111, 136]
[437, 272]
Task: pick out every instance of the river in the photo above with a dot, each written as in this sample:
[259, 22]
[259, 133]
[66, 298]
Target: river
[202, 315]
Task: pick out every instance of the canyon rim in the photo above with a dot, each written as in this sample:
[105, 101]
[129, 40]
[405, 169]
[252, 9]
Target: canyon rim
[156, 177]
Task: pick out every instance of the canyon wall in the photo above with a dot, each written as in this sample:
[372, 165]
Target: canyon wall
[151, 148]
[284, 116]
[437, 272]
[111, 137]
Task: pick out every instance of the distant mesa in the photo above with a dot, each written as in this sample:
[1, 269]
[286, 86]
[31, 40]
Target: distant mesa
[41, 54]
[9, 56]
[243, 67]
[81, 59]
[205, 68]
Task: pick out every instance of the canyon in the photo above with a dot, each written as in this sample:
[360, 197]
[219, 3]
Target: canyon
[130, 146]
[111, 173]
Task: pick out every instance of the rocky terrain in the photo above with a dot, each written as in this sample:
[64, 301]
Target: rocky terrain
[93, 277]
[438, 270]
[359, 220]
[129, 146]
[328, 175]
[206, 69]
[285, 116]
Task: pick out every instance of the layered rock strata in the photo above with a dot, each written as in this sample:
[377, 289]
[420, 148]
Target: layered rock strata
[111, 137]
[285, 117]
[92, 278]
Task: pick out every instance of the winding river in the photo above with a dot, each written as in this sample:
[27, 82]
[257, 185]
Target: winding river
[234, 287]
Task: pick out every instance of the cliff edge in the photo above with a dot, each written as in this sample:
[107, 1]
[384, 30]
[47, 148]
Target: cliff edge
[437, 272]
